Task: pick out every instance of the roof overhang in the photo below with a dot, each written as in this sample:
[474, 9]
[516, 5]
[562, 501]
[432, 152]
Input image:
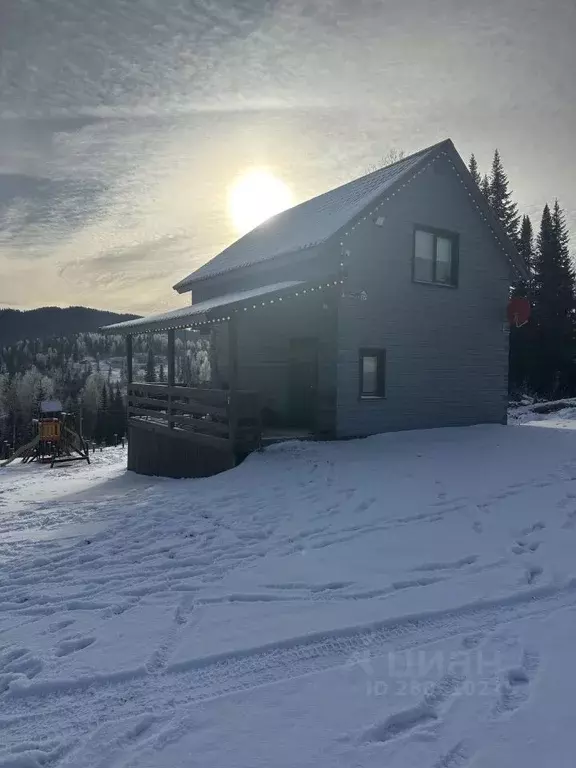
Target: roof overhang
[219, 309]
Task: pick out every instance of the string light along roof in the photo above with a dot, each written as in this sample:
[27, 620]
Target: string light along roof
[221, 308]
[336, 213]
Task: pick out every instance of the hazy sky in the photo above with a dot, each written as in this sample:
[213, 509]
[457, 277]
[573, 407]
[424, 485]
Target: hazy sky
[124, 122]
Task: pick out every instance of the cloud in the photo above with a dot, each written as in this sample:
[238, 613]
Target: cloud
[33, 207]
[125, 124]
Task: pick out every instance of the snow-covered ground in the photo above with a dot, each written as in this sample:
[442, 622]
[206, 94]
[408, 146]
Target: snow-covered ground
[407, 601]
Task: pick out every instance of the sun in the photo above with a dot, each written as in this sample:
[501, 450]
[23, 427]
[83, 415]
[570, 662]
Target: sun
[255, 197]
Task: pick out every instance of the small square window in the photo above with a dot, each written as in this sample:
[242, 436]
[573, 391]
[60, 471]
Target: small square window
[435, 257]
[372, 373]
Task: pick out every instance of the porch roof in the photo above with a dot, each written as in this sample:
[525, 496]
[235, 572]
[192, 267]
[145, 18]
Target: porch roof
[211, 310]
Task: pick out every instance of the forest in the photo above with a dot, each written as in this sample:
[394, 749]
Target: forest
[543, 351]
[87, 373]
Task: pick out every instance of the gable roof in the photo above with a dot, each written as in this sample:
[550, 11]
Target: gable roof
[308, 224]
[315, 221]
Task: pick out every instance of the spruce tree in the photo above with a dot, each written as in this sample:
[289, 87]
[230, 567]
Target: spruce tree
[561, 236]
[485, 187]
[553, 308]
[118, 413]
[150, 375]
[522, 339]
[525, 246]
[503, 207]
[473, 168]
[102, 417]
[526, 242]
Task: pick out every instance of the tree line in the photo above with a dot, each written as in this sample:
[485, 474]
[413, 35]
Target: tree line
[86, 372]
[543, 351]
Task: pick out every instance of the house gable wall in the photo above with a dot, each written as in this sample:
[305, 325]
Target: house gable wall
[446, 350]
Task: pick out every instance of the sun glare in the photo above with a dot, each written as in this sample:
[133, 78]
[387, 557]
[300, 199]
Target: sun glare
[255, 197]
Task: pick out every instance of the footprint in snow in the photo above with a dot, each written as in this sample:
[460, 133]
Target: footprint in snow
[428, 711]
[472, 641]
[448, 566]
[515, 687]
[17, 662]
[533, 573]
[566, 501]
[477, 526]
[58, 625]
[538, 526]
[364, 505]
[457, 757]
[522, 547]
[73, 644]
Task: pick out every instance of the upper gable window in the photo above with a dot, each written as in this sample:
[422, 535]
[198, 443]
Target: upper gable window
[435, 256]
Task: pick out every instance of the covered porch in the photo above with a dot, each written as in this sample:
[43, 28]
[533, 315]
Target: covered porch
[272, 377]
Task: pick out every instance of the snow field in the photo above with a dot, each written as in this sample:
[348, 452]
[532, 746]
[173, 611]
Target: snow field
[404, 600]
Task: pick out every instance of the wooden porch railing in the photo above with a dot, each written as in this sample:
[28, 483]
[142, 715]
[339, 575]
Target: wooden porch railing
[215, 417]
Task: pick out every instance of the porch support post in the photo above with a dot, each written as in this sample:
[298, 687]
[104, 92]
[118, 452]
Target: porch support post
[129, 373]
[232, 354]
[171, 374]
[171, 357]
[232, 378]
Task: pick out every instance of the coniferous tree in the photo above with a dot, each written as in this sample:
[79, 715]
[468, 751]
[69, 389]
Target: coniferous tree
[150, 375]
[525, 246]
[473, 168]
[561, 235]
[500, 197]
[100, 428]
[522, 338]
[526, 242]
[119, 413]
[553, 308]
[161, 375]
[485, 187]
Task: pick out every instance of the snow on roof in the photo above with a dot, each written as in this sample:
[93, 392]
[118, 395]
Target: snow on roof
[308, 224]
[195, 313]
[50, 406]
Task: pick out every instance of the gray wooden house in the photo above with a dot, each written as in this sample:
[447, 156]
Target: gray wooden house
[377, 306]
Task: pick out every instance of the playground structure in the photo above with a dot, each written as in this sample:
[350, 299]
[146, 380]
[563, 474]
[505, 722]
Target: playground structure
[56, 440]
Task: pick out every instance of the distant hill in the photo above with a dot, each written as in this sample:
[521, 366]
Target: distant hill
[16, 324]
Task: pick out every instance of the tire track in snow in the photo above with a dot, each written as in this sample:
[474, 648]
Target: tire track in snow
[71, 707]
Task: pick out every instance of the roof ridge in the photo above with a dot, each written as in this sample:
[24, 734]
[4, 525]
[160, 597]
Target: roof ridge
[412, 156]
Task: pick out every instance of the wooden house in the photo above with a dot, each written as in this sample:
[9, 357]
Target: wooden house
[377, 306]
